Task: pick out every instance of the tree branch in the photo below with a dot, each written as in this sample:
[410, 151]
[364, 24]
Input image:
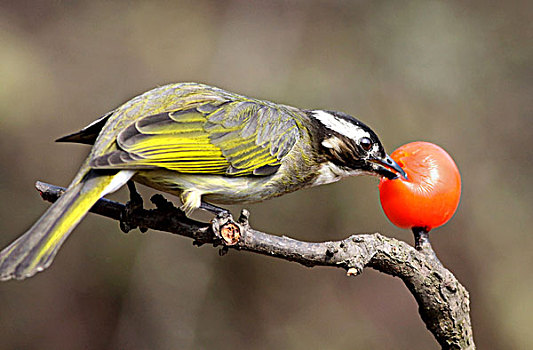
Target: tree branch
[443, 301]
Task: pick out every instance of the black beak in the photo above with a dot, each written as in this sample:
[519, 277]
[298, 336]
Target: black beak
[389, 168]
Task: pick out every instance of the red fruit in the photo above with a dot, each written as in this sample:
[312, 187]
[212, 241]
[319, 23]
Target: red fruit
[430, 196]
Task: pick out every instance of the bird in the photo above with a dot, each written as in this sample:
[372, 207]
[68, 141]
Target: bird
[207, 146]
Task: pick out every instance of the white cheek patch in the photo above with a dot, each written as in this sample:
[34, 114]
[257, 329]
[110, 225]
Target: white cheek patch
[333, 143]
[341, 126]
[329, 173]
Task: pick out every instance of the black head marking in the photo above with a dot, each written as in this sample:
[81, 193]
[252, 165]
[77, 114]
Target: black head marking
[346, 141]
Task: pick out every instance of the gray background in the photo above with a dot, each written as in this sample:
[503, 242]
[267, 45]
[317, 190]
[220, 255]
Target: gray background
[455, 73]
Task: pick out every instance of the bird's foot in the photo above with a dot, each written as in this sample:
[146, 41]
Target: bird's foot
[164, 205]
[134, 205]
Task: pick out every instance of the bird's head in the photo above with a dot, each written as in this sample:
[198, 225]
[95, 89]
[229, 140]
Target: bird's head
[351, 147]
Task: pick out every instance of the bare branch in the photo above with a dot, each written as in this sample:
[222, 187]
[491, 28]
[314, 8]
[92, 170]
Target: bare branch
[443, 301]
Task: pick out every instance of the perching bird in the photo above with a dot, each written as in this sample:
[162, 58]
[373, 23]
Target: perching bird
[205, 145]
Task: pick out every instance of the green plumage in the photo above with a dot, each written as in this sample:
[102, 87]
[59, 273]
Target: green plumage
[202, 144]
[189, 139]
[232, 137]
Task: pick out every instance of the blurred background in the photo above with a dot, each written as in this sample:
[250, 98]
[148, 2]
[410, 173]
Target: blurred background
[455, 73]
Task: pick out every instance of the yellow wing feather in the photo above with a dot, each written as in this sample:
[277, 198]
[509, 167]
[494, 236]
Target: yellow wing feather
[234, 138]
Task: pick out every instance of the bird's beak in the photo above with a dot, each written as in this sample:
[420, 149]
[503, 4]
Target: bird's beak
[389, 168]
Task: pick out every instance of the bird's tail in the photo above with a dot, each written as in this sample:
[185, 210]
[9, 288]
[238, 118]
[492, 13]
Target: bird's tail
[34, 251]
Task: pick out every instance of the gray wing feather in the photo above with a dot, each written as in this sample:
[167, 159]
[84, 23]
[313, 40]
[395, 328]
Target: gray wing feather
[273, 129]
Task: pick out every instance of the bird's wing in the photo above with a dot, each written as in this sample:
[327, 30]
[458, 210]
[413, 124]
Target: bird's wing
[233, 138]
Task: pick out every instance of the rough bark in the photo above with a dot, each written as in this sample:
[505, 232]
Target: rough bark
[443, 302]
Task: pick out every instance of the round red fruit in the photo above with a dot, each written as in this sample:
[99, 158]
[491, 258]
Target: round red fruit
[430, 195]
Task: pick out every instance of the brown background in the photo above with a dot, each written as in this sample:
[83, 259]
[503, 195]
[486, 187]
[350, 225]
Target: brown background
[456, 73]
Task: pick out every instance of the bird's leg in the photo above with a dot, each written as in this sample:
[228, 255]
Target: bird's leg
[222, 217]
[134, 204]
[218, 211]
[136, 201]
[222, 222]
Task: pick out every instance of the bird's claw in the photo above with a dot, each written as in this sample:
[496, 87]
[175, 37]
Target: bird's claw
[126, 221]
[165, 206]
[134, 205]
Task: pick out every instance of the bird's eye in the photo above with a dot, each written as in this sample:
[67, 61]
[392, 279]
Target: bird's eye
[365, 143]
